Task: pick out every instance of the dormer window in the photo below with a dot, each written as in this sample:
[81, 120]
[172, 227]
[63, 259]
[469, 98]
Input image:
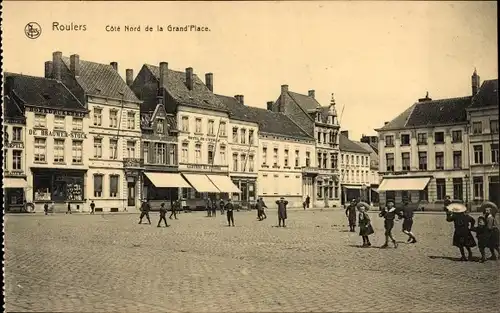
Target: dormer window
[160, 126]
[318, 117]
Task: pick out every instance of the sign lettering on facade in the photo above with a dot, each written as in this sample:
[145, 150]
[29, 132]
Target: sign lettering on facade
[203, 139]
[56, 112]
[57, 133]
[14, 173]
[15, 145]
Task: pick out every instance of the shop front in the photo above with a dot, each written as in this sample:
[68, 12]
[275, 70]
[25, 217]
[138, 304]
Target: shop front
[245, 193]
[161, 187]
[14, 193]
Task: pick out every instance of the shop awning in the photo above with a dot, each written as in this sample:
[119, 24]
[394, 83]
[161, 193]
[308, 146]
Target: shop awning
[201, 183]
[167, 180]
[15, 182]
[224, 183]
[352, 187]
[406, 183]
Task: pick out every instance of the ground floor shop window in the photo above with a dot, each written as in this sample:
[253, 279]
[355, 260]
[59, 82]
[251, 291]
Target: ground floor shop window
[14, 196]
[58, 187]
[406, 196]
[42, 186]
[154, 193]
[423, 195]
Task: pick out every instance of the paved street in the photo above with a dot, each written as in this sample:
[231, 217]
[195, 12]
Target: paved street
[91, 263]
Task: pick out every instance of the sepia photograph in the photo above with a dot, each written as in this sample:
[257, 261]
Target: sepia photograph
[250, 156]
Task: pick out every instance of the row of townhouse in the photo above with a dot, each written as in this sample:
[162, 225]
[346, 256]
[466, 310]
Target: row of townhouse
[446, 147]
[83, 133]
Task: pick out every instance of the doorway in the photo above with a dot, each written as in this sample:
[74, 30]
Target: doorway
[494, 189]
[131, 191]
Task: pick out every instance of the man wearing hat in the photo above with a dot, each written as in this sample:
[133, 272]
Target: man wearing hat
[406, 214]
[282, 203]
[145, 208]
[389, 214]
[229, 212]
[350, 212]
[260, 209]
[163, 215]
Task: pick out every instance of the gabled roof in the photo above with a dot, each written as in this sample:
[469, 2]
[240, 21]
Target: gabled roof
[200, 96]
[345, 144]
[147, 119]
[237, 111]
[41, 92]
[102, 80]
[487, 94]
[306, 102]
[400, 120]
[12, 109]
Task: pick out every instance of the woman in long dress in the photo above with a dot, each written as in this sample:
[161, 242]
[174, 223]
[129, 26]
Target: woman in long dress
[462, 236]
[365, 226]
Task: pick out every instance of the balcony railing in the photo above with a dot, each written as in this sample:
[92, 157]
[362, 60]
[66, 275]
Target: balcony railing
[133, 163]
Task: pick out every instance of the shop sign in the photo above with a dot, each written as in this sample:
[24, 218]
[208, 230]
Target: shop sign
[206, 139]
[14, 173]
[55, 111]
[57, 133]
[16, 145]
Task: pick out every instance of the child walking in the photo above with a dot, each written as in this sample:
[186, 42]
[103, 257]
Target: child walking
[389, 214]
[365, 226]
[482, 235]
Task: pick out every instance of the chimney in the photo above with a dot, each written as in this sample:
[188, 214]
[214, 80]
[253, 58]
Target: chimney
[385, 123]
[114, 65]
[189, 78]
[48, 69]
[74, 64]
[281, 106]
[209, 81]
[163, 77]
[476, 82]
[56, 65]
[312, 94]
[129, 76]
[284, 89]
[240, 99]
[426, 98]
[270, 105]
[345, 133]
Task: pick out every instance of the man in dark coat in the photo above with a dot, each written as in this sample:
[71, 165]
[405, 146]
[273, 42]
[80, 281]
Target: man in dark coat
[282, 203]
[407, 214]
[92, 207]
[145, 208]
[308, 201]
[175, 207]
[260, 209]
[208, 206]
[46, 208]
[229, 211]
[163, 214]
[69, 208]
[350, 212]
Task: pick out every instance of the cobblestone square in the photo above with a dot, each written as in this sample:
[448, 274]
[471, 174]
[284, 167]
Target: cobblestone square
[90, 263]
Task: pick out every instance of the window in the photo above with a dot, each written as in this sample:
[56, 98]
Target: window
[405, 140]
[319, 137]
[250, 137]
[330, 190]
[422, 139]
[59, 122]
[235, 134]
[235, 162]
[113, 186]
[40, 150]
[77, 123]
[389, 158]
[113, 118]
[405, 156]
[347, 159]
[423, 195]
[457, 159]
[97, 148]
[477, 127]
[494, 153]
[222, 152]
[494, 126]
[198, 126]
[334, 160]
[131, 149]
[251, 163]
[357, 160]
[185, 124]
[439, 137]
[17, 159]
[478, 154]
[58, 150]
[184, 152]
[367, 161]
[130, 120]
[145, 151]
[243, 162]
[439, 160]
[456, 136]
[17, 133]
[320, 189]
[210, 129]
[97, 117]
[160, 126]
[297, 158]
[308, 158]
[160, 156]
[422, 161]
[478, 187]
[389, 141]
[171, 155]
[222, 129]
[286, 157]
[275, 157]
[98, 178]
[243, 136]
[320, 156]
[197, 153]
[77, 151]
[440, 188]
[352, 159]
[457, 189]
[40, 120]
[210, 154]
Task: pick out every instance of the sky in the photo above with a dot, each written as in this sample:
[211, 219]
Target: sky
[377, 58]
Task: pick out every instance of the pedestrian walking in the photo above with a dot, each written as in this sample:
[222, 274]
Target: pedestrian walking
[145, 208]
[46, 208]
[214, 208]
[365, 225]
[174, 207]
[261, 205]
[308, 201]
[492, 232]
[462, 236]
[163, 214]
[92, 207]
[282, 203]
[350, 212]
[229, 211]
[389, 214]
[69, 208]
[407, 214]
[447, 202]
[221, 204]
[208, 206]
[482, 235]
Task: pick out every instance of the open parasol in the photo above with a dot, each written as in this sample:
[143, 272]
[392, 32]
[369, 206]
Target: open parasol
[456, 208]
[363, 204]
[489, 204]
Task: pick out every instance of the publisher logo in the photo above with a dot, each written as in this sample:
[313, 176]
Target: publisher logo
[33, 30]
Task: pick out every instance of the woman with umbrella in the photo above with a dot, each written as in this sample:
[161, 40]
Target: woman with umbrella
[365, 226]
[462, 236]
[490, 209]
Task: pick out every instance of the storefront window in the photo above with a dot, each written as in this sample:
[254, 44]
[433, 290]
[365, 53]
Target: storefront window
[251, 191]
[236, 196]
[42, 187]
